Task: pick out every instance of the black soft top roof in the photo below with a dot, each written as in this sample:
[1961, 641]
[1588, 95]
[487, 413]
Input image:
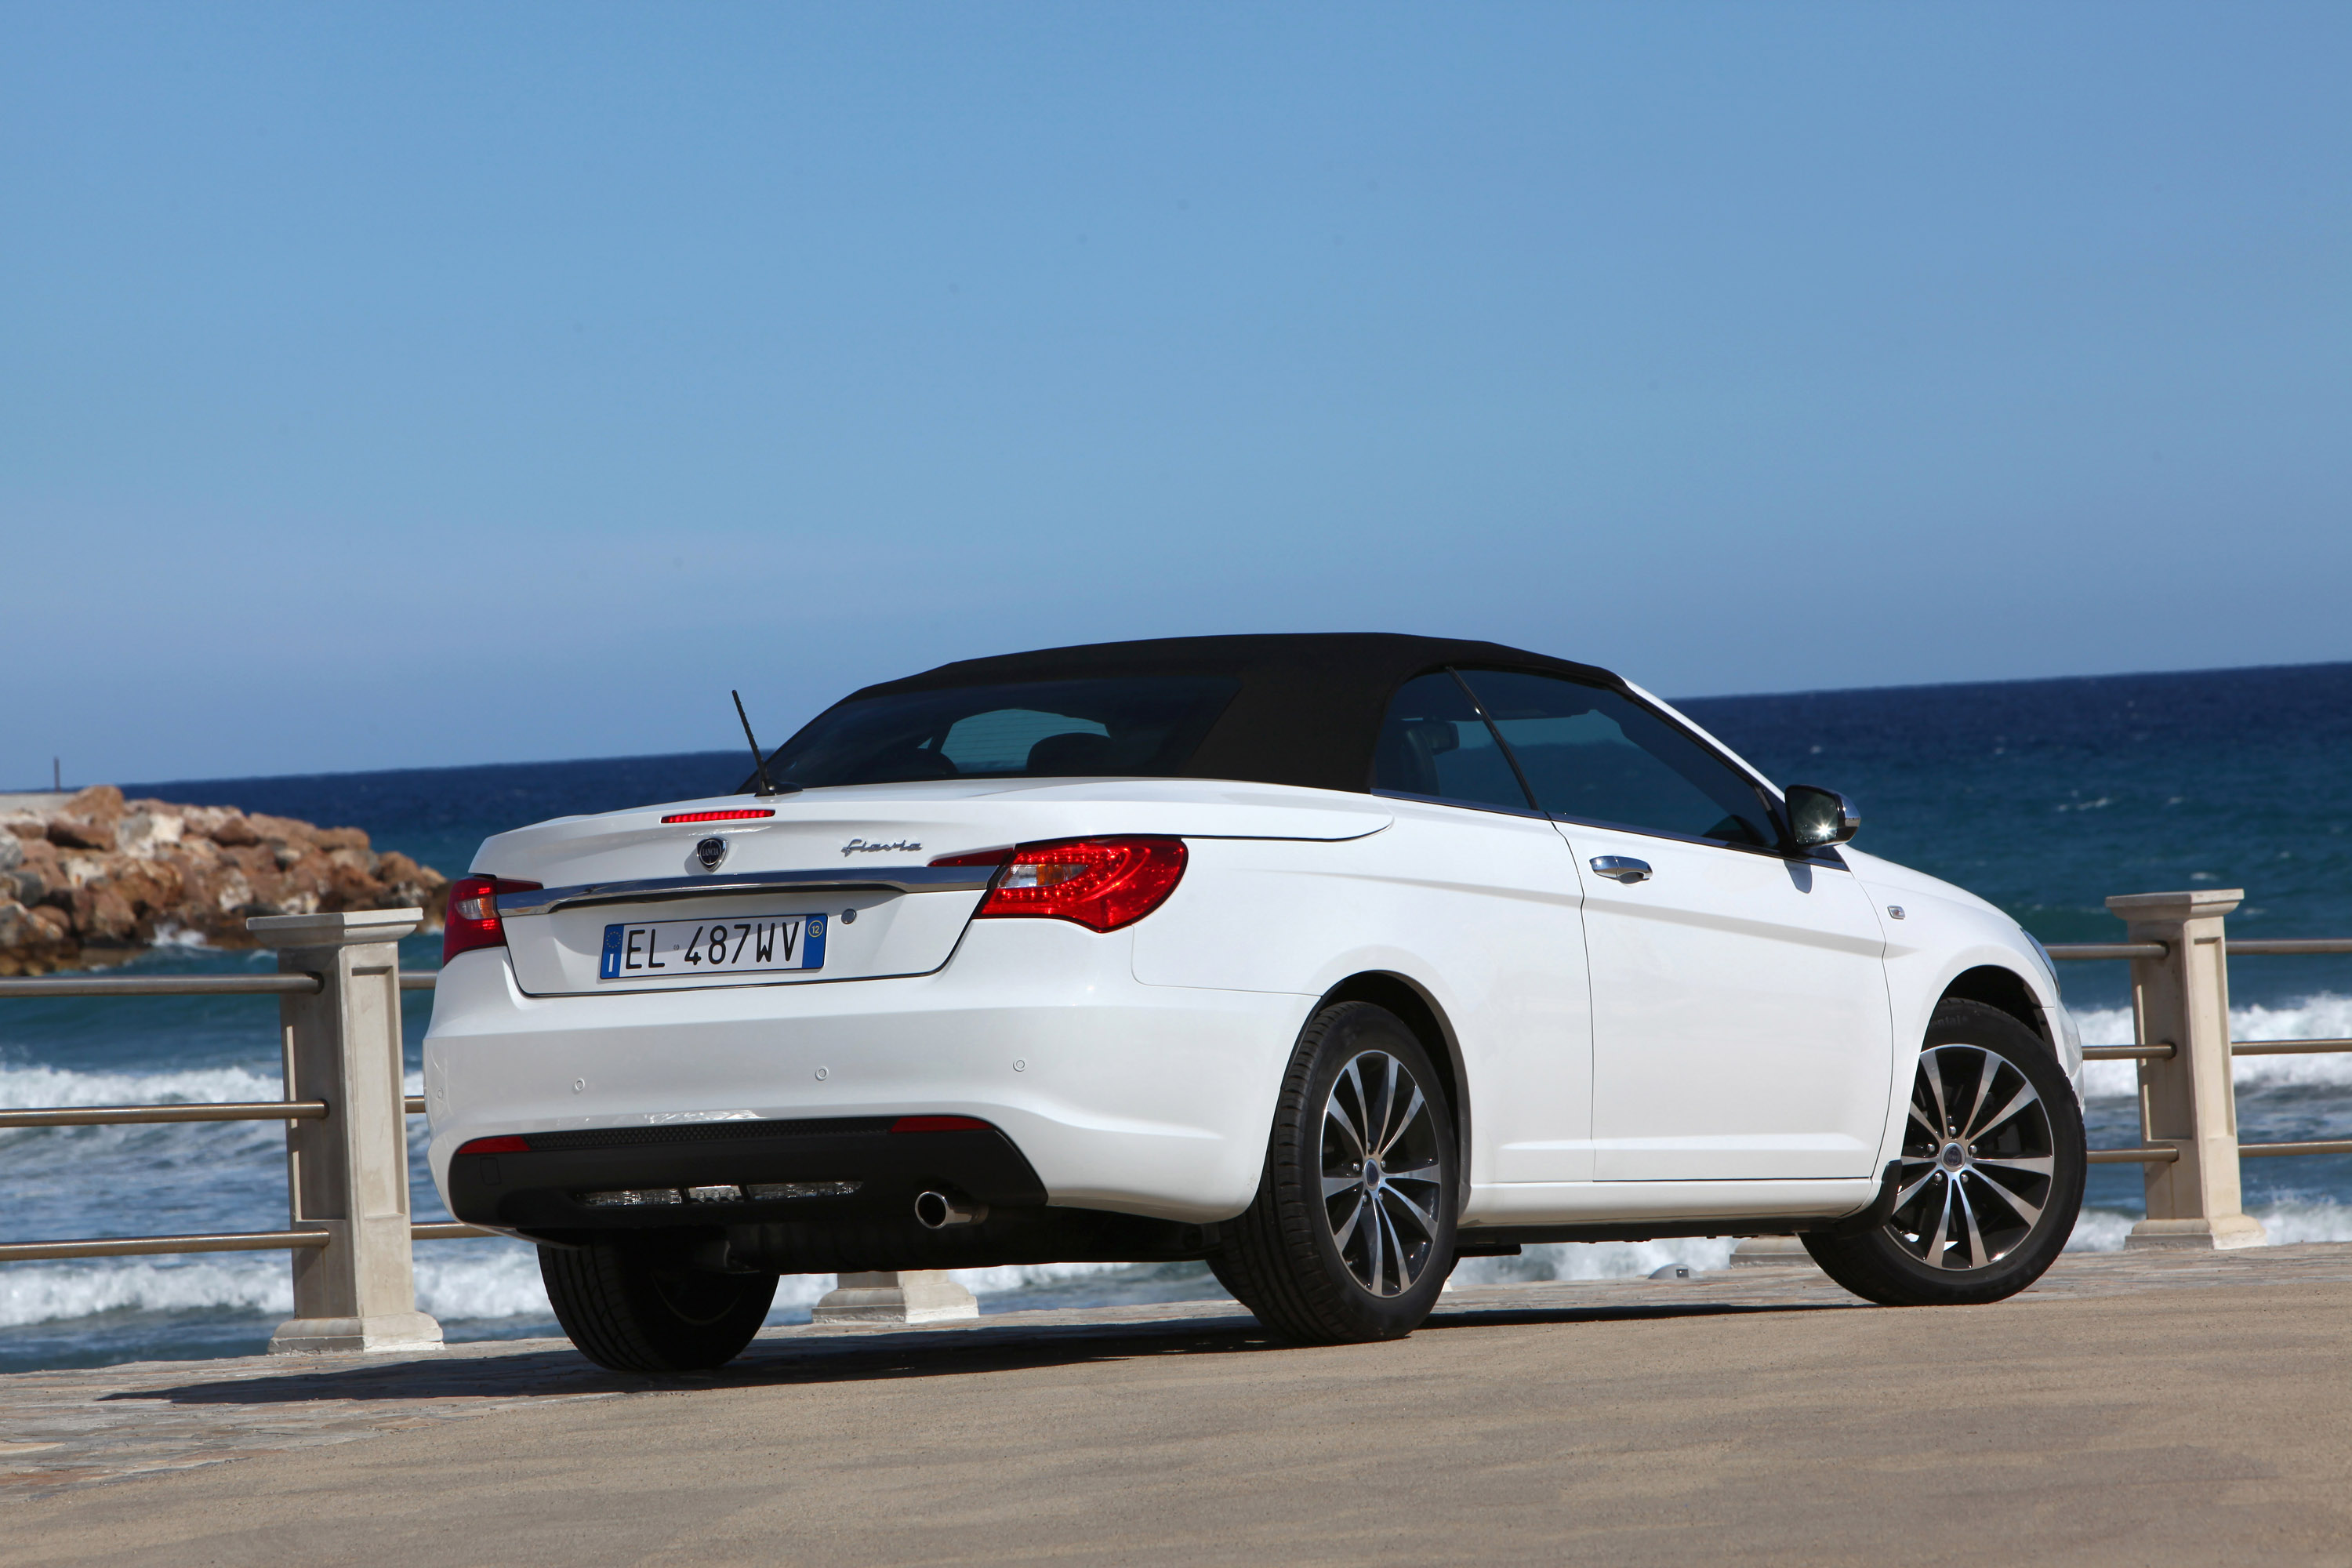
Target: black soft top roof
[1310, 707]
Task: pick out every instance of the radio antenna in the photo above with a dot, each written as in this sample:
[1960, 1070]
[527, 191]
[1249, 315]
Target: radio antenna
[759, 761]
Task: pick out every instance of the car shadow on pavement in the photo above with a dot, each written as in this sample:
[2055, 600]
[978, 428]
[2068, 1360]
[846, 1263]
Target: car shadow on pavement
[558, 1374]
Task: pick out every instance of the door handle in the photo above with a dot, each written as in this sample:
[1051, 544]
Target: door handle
[1622, 867]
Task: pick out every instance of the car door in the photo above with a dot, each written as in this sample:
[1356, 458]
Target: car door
[1740, 1025]
[1490, 871]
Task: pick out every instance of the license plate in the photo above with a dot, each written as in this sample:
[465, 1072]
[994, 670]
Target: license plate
[669, 950]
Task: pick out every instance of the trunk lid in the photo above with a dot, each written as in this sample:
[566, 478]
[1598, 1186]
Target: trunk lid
[846, 869]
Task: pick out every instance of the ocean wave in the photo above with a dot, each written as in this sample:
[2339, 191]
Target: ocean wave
[2288, 1222]
[2322, 1016]
[187, 1151]
[55, 1292]
[1595, 1260]
[29, 1086]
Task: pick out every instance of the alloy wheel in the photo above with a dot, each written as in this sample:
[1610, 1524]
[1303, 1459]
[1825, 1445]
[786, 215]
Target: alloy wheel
[1978, 1160]
[1382, 1179]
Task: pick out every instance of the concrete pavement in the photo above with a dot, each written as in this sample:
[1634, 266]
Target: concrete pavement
[2161, 1409]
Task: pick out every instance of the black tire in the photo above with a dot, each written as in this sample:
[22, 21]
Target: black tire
[1366, 1262]
[633, 1310]
[1990, 1196]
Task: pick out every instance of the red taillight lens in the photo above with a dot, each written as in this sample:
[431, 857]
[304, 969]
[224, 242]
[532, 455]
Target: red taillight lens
[977, 857]
[508, 1145]
[1101, 883]
[472, 917]
[744, 814]
[939, 1125]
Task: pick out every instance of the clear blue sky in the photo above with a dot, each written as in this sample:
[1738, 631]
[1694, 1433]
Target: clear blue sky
[415, 385]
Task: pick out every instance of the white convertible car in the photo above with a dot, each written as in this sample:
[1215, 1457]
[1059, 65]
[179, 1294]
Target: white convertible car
[1324, 959]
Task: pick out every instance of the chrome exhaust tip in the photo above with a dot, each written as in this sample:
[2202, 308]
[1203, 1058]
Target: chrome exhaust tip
[936, 1210]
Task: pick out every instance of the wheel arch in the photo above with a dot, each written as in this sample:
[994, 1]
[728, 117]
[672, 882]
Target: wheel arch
[1427, 1020]
[1995, 987]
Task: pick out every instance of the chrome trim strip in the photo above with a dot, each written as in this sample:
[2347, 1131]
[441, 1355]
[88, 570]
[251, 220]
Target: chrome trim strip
[895, 879]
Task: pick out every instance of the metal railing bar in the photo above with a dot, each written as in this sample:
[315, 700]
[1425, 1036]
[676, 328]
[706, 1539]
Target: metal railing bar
[446, 1230]
[2286, 1047]
[414, 1104]
[137, 1246]
[2245, 947]
[214, 1110]
[2315, 1146]
[419, 979]
[2285, 946]
[2164, 1053]
[161, 985]
[2134, 1156]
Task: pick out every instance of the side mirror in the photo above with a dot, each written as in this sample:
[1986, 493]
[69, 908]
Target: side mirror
[1819, 817]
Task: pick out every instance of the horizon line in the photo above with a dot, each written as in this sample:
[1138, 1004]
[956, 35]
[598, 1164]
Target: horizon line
[1709, 697]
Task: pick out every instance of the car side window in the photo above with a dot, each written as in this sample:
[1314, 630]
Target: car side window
[1433, 743]
[1597, 755]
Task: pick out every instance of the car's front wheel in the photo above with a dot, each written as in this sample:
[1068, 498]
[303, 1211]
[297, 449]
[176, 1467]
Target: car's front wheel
[1352, 1235]
[634, 1309]
[1991, 1173]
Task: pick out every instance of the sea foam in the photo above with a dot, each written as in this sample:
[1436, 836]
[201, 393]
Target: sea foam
[2324, 1017]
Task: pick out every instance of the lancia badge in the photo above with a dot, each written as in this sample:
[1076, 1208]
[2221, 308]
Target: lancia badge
[711, 851]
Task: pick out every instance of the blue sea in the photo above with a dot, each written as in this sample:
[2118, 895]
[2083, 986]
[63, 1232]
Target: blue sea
[2044, 796]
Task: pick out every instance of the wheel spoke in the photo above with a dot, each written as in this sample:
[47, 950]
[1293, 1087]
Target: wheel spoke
[2035, 1165]
[1373, 1258]
[1931, 1073]
[1427, 1171]
[1399, 1254]
[2030, 1213]
[1338, 1111]
[1903, 1196]
[1943, 1229]
[1334, 1186]
[1341, 1234]
[1988, 1068]
[2018, 1101]
[1405, 1122]
[1376, 1125]
[1422, 1217]
[1976, 1258]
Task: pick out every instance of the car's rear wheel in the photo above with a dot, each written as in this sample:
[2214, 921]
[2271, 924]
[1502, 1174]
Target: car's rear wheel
[1352, 1233]
[633, 1309]
[1991, 1174]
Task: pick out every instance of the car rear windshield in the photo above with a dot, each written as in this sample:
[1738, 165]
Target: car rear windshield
[1143, 726]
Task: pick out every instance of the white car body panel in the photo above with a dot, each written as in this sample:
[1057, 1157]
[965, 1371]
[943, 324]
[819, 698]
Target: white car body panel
[1137, 1070]
[1741, 1016]
[1477, 910]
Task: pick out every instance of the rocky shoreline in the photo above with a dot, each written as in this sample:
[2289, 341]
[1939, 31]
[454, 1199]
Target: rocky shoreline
[91, 878]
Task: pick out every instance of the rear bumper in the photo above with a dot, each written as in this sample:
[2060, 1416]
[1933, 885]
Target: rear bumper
[1137, 1100]
[719, 1174]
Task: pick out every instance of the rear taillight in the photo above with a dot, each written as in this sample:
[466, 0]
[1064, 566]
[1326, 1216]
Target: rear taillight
[1100, 883]
[472, 917]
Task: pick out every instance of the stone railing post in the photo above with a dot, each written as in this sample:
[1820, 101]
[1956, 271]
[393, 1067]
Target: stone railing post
[2187, 1101]
[913, 1296]
[347, 1173]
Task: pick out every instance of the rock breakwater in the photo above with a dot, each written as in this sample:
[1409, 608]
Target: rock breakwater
[86, 878]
